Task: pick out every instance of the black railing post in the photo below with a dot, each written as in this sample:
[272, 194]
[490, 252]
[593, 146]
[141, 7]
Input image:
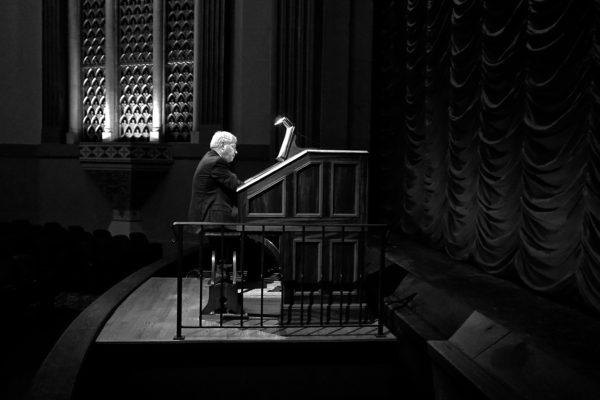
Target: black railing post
[361, 271]
[304, 257]
[178, 335]
[343, 260]
[242, 264]
[282, 274]
[200, 266]
[262, 276]
[322, 272]
[222, 264]
[380, 284]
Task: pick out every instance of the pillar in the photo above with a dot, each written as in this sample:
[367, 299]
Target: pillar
[158, 69]
[74, 67]
[111, 121]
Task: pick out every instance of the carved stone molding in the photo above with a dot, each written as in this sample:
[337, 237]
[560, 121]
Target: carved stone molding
[116, 153]
[127, 174]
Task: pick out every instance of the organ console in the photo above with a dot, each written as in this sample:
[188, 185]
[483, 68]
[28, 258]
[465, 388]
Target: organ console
[311, 186]
[305, 211]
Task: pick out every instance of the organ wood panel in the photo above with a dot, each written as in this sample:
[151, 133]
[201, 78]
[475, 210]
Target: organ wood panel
[308, 193]
[343, 265]
[344, 197]
[312, 186]
[307, 253]
[268, 201]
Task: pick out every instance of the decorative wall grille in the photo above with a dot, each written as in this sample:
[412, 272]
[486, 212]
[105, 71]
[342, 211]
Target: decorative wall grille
[139, 57]
[135, 65]
[179, 70]
[93, 84]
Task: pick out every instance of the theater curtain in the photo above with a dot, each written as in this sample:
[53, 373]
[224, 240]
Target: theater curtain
[500, 129]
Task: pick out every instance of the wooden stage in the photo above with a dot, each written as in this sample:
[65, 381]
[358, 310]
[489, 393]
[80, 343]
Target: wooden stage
[149, 315]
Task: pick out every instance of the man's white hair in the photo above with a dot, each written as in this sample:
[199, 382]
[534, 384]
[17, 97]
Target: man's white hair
[221, 138]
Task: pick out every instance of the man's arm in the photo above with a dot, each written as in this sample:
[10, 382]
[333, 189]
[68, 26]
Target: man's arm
[222, 173]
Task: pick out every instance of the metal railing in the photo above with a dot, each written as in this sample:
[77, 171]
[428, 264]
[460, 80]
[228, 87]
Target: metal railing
[325, 287]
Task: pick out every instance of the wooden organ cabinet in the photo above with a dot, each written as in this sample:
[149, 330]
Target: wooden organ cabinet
[312, 188]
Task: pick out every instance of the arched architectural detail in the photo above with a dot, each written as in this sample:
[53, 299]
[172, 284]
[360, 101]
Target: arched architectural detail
[138, 69]
[92, 69]
[179, 68]
[135, 67]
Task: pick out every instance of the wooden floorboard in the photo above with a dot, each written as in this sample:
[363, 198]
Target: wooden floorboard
[149, 315]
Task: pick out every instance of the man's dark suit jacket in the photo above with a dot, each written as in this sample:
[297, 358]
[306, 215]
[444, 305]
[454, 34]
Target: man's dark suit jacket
[213, 190]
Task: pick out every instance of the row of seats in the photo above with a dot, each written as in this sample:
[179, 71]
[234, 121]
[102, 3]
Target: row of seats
[39, 261]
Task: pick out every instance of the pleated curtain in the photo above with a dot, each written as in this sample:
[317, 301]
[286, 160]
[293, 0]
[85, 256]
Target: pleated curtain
[499, 138]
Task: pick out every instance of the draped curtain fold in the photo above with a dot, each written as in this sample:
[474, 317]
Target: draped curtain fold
[499, 216]
[390, 83]
[501, 135]
[414, 116]
[588, 275]
[555, 151]
[437, 61]
[463, 127]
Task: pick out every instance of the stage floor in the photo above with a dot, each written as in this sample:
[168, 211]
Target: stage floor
[149, 315]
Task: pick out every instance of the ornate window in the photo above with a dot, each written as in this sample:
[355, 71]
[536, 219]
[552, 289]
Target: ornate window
[92, 69]
[135, 70]
[180, 70]
[138, 62]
